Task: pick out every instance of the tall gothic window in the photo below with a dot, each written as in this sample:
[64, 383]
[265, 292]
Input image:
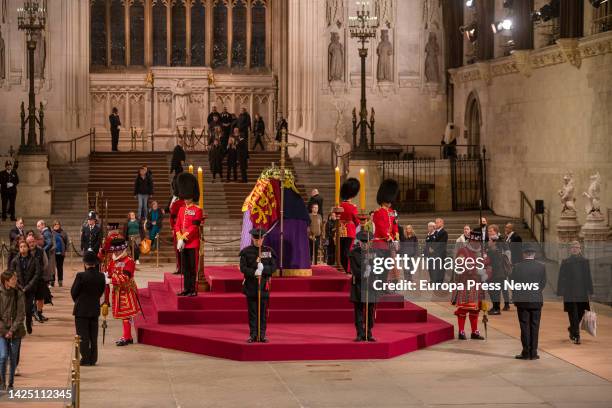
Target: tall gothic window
[97, 35]
[239, 34]
[219, 33]
[117, 29]
[137, 33]
[258, 36]
[198, 33]
[160, 43]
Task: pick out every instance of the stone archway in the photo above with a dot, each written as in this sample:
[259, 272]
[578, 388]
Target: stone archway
[473, 123]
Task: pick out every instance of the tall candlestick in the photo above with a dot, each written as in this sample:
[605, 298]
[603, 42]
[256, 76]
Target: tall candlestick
[191, 168]
[362, 190]
[337, 196]
[201, 185]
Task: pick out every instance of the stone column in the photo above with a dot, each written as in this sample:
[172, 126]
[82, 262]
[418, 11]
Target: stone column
[598, 250]
[568, 230]
[34, 188]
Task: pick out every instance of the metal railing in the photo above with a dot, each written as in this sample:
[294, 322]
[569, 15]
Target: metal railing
[313, 147]
[74, 149]
[74, 383]
[532, 221]
[390, 151]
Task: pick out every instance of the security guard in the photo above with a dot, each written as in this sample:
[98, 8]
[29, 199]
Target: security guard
[257, 263]
[362, 293]
[91, 234]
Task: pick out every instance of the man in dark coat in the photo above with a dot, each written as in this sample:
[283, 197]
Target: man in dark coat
[514, 243]
[257, 263]
[8, 190]
[232, 160]
[86, 291]
[91, 234]
[363, 294]
[178, 159]
[226, 122]
[115, 127]
[528, 300]
[243, 158]
[440, 242]
[243, 123]
[575, 285]
[259, 130]
[29, 272]
[213, 117]
[17, 231]
[280, 125]
[315, 198]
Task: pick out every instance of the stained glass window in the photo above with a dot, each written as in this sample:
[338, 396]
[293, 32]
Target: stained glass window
[159, 34]
[97, 35]
[117, 32]
[179, 56]
[239, 34]
[219, 35]
[137, 33]
[258, 36]
[198, 32]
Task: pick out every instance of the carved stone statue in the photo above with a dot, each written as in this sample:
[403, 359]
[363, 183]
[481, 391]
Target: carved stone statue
[432, 49]
[336, 58]
[593, 194]
[384, 11]
[40, 55]
[2, 58]
[180, 95]
[384, 51]
[334, 12]
[567, 195]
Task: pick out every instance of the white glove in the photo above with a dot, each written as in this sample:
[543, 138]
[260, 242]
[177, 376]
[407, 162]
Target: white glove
[368, 269]
[483, 274]
[259, 266]
[106, 279]
[258, 273]
[180, 244]
[9, 185]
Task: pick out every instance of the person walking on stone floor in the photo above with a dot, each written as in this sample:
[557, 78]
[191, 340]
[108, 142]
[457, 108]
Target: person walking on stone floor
[60, 237]
[29, 272]
[133, 231]
[257, 264]
[115, 128]
[87, 289]
[12, 315]
[575, 285]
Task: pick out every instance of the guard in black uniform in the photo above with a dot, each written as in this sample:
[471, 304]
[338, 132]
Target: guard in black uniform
[360, 259]
[257, 261]
[91, 234]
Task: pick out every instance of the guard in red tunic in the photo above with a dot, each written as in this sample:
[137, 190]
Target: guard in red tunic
[175, 206]
[120, 273]
[386, 230]
[349, 219]
[105, 254]
[469, 301]
[187, 231]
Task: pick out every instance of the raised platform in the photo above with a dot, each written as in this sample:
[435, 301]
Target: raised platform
[310, 318]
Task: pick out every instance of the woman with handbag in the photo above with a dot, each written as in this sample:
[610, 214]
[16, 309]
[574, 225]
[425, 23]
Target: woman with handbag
[575, 286]
[469, 300]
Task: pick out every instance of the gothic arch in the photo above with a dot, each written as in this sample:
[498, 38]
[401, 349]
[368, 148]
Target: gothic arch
[473, 123]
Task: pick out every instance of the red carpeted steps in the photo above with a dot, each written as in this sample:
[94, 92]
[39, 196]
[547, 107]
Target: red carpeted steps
[310, 318]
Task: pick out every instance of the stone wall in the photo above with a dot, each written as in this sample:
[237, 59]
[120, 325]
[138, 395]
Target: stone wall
[543, 113]
[409, 107]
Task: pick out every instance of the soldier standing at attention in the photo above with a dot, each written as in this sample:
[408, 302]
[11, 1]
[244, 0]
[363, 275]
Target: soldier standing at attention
[363, 294]
[257, 263]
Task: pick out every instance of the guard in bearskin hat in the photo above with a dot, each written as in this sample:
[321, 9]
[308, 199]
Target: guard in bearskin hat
[469, 301]
[187, 230]
[385, 218]
[349, 219]
[121, 269]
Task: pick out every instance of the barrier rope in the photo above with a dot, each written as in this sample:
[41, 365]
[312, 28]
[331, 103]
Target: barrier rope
[222, 242]
[79, 253]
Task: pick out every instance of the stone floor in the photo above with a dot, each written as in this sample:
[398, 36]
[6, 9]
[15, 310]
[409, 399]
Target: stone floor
[456, 373]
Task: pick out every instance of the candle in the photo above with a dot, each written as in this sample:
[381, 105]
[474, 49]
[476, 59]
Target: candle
[201, 185]
[191, 168]
[362, 190]
[337, 196]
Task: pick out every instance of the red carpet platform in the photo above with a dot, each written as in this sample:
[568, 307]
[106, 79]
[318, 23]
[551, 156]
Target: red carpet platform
[310, 318]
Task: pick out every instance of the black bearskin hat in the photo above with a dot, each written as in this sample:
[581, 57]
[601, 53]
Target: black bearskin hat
[349, 189]
[187, 186]
[387, 192]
